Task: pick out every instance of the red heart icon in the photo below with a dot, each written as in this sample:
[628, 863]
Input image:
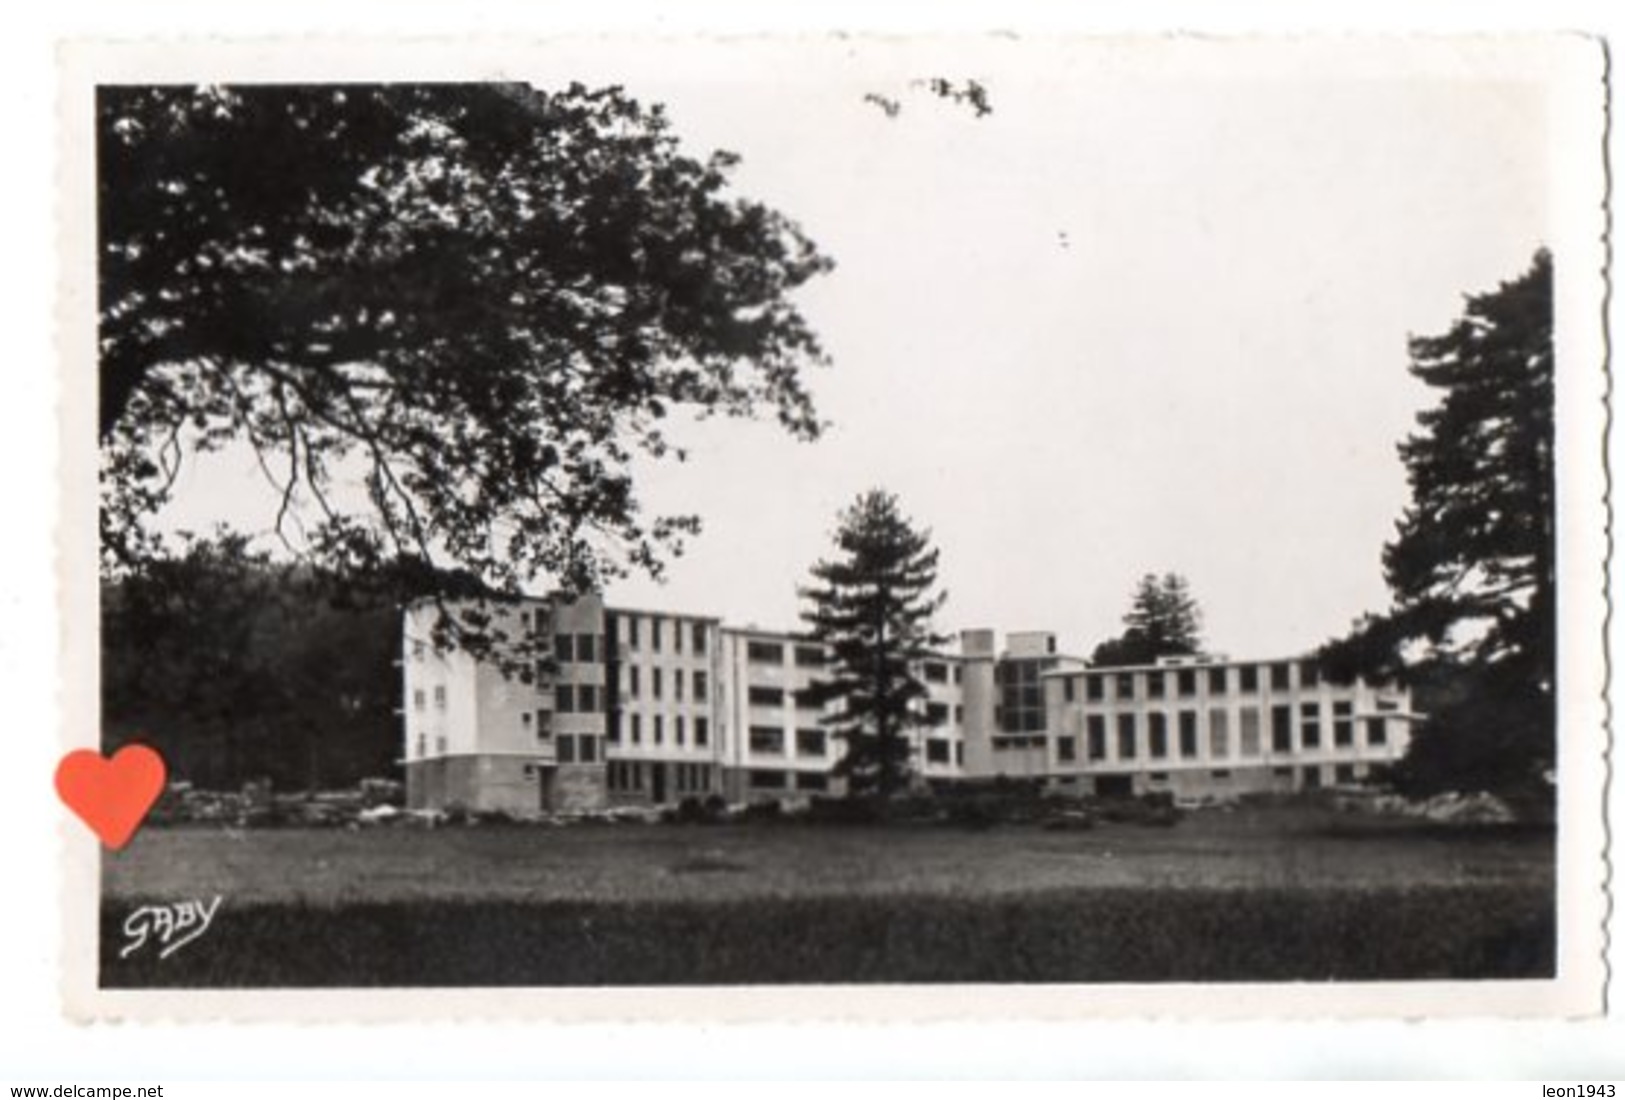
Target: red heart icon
[111, 796]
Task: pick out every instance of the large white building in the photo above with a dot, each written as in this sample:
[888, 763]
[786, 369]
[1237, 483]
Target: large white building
[632, 707]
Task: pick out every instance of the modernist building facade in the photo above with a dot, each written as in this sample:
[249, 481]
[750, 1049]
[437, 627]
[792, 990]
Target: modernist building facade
[626, 707]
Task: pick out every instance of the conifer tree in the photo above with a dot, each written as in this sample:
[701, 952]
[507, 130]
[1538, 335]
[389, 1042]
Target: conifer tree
[872, 606]
[1164, 620]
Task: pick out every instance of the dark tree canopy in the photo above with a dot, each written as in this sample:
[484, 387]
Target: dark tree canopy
[872, 605]
[1163, 621]
[1472, 564]
[480, 301]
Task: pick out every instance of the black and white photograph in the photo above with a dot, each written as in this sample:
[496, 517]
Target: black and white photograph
[1114, 518]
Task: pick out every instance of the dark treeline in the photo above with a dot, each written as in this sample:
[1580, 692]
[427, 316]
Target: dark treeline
[237, 668]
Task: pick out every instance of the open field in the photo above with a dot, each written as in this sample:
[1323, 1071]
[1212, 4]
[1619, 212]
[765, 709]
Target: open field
[1244, 895]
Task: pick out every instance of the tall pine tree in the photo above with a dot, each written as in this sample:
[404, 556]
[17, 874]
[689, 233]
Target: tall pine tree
[1163, 621]
[1472, 566]
[872, 607]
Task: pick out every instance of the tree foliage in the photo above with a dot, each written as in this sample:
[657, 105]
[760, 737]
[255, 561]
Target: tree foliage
[872, 606]
[478, 302]
[1472, 564]
[1164, 620]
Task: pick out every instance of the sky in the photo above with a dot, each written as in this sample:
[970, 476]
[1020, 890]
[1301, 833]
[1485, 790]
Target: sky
[1148, 315]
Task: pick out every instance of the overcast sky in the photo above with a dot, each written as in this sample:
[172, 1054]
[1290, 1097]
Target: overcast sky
[1148, 315]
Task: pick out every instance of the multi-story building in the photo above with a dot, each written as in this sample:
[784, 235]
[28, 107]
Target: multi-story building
[627, 707]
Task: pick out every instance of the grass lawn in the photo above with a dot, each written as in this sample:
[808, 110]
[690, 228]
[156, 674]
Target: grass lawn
[1255, 894]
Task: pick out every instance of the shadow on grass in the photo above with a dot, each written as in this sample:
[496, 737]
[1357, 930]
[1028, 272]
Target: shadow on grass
[1120, 935]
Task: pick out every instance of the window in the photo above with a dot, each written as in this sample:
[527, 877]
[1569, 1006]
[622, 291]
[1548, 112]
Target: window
[1094, 688]
[1280, 677]
[440, 745]
[937, 714]
[699, 639]
[423, 745]
[808, 656]
[766, 696]
[586, 648]
[632, 631]
[1250, 731]
[1153, 685]
[1125, 737]
[702, 686]
[1069, 688]
[676, 636]
[634, 680]
[1187, 735]
[637, 729]
[564, 699]
[807, 699]
[1281, 729]
[544, 726]
[419, 699]
[1159, 734]
[681, 729]
[1066, 749]
[1216, 681]
[541, 675]
[959, 675]
[1097, 736]
[677, 684]
[1376, 731]
[936, 672]
[440, 697]
[767, 739]
[1342, 730]
[937, 750]
[660, 729]
[654, 633]
[959, 753]
[765, 653]
[657, 683]
[1344, 773]
[811, 781]
[586, 698]
[761, 780]
[1308, 674]
[1218, 733]
[702, 731]
[1220, 773]
[418, 650]
[612, 729]
[1311, 778]
[588, 749]
[1187, 682]
[563, 648]
[1158, 777]
[1125, 685]
[1249, 679]
[567, 748]
[1309, 726]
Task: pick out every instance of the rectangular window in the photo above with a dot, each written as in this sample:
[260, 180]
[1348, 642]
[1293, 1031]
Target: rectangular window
[563, 648]
[1220, 773]
[936, 672]
[1311, 778]
[440, 697]
[937, 714]
[1216, 681]
[766, 696]
[1094, 688]
[937, 750]
[807, 656]
[612, 729]
[654, 632]
[1187, 682]
[660, 729]
[1153, 685]
[810, 742]
[680, 728]
[702, 686]
[811, 781]
[567, 748]
[677, 684]
[1281, 728]
[1066, 749]
[959, 674]
[806, 699]
[1280, 677]
[1343, 732]
[637, 729]
[1125, 685]
[1097, 737]
[586, 648]
[676, 636]
[765, 653]
[767, 739]
[1069, 688]
[586, 699]
[564, 699]
[1250, 732]
[657, 683]
[1308, 674]
[1125, 737]
[419, 699]
[1187, 735]
[699, 639]
[766, 780]
[634, 681]
[544, 725]
[702, 731]
[632, 631]
[1159, 734]
[1376, 731]
[419, 649]
[1249, 679]
[1345, 773]
[589, 749]
[1309, 726]
[1218, 733]
[959, 753]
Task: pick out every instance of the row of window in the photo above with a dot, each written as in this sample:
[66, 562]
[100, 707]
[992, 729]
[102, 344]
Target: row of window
[657, 730]
[770, 740]
[577, 748]
[635, 776]
[632, 627]
[1309, 733]
[772, 653]
[419, 699]
[763, 779]
[1185, 682]
[701, 682]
